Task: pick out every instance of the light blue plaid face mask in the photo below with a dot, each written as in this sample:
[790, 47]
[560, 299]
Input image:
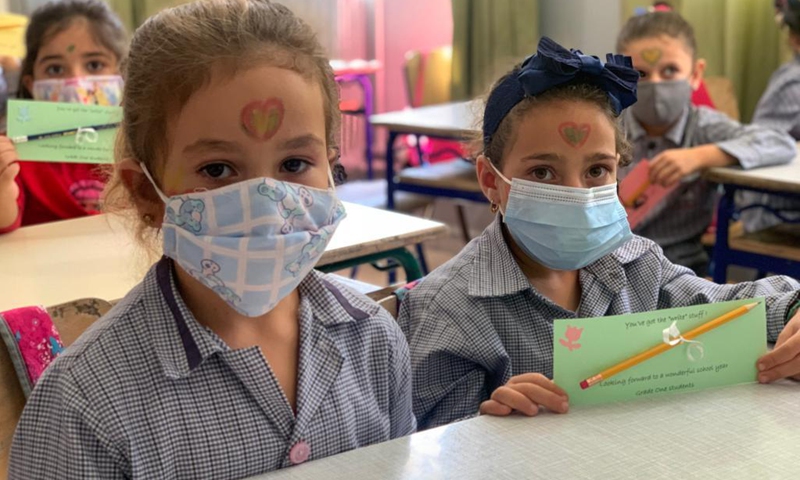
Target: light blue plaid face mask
[565, 228]
[251, 242]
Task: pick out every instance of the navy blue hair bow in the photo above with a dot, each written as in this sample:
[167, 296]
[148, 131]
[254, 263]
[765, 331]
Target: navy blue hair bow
[552, 66]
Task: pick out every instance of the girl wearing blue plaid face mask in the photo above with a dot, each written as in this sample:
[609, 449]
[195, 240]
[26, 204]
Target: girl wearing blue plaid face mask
[233, 357]
[480, 327]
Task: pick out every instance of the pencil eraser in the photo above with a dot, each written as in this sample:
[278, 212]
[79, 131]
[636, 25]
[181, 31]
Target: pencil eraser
[584, 385]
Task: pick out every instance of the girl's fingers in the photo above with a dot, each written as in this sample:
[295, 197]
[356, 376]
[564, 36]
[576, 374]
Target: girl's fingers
[515, 400]
[497, 409]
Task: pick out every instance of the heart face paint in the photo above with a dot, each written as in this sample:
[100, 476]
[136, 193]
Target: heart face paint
[651, 56]
[261, 119]
[575, 135]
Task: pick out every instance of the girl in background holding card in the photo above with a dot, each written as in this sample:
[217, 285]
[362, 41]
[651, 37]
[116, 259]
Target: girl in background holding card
[233, 357]
[74, 49]
[681, 140]
[480, 327]
[779, 108]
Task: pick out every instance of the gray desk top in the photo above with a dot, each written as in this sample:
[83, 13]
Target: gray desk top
[782, 178]
[452, 120]
[746, 431]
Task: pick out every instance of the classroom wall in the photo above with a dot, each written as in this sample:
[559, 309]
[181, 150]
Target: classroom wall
[590, 25]
[408, 25]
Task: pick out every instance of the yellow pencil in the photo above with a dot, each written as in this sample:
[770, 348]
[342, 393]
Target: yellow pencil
[663, 347]
[631, 202]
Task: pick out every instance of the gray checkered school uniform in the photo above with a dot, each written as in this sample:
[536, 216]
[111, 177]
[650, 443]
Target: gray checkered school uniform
[686, 213]
[778, 108]
[148, 392]
[475, 322]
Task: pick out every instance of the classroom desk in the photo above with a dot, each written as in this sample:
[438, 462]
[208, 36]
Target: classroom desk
[782, 180]
[745, 431]
[360, 73]
[450, 121]
[96, 256]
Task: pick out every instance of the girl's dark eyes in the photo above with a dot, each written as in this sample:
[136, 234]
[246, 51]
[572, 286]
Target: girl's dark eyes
[542, 174]
[217, 170]
[54, 70]
[95, 66]
[295, 165]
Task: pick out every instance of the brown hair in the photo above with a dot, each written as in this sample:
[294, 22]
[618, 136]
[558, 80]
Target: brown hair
[172, 56]
[655, 24]
[496, 146]
[54, 17]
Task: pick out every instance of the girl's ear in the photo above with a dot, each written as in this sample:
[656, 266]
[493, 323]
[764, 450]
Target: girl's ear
[27, 82]
[144, 195]
[489, 180]
[697, 73]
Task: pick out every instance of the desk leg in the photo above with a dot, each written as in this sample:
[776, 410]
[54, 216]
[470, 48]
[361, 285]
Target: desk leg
[722, 251]
[369, 105]
[390, 186]
[401, 255]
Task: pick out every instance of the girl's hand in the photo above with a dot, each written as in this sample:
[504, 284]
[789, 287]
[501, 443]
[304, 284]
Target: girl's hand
[9, 191]
[526, 394]
[784, 360]
[670, 166]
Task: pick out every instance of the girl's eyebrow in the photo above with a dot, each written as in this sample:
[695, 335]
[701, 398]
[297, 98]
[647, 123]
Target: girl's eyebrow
[599, 156]
[95, 54]
[547, 157]
[211, 145]
[302, 141]
[49, 58]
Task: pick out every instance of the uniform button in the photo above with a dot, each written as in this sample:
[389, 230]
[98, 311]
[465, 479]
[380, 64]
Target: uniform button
[299, 453]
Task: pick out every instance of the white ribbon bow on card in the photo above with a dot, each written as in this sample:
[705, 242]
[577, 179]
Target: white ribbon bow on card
[672, 336]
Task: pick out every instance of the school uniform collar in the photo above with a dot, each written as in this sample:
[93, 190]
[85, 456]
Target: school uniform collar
[636, 132]
[182, 344]
[495, 273]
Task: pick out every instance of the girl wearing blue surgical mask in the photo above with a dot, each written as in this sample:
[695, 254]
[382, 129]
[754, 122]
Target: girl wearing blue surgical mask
[680, 140]
[233, 357]
[74, 49]
[480, 326]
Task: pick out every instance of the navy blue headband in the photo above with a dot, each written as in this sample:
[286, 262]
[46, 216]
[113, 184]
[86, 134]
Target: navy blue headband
[552, 66]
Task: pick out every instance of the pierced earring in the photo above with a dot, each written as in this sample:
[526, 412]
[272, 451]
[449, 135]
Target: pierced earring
[494, 207]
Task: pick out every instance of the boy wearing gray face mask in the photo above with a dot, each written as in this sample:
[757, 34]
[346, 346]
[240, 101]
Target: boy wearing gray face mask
[681, 140]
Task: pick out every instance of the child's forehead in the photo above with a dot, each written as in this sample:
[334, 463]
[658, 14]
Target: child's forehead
[77, 32]
[667, 45]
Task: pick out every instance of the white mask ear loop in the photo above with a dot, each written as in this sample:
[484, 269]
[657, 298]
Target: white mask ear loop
[497, 171]
[503, 177]
[163, 197]
[331, 183]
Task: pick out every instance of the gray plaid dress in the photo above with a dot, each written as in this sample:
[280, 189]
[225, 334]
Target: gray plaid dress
[475, 322]
[148, 392]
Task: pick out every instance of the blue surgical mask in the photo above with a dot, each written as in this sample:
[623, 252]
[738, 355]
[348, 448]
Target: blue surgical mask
[251, 242]
[565, 228]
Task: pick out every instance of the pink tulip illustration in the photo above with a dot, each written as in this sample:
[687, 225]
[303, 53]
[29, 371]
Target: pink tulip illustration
[571, 336]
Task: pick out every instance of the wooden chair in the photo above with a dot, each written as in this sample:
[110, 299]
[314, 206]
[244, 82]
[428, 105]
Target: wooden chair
[387, 299]
[722, 93]
[71, 320]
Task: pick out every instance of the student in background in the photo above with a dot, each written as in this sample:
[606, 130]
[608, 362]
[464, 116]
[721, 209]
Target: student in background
[480, 327]
[778, 108]
[681, 140]
[74, 50]
[233, 357]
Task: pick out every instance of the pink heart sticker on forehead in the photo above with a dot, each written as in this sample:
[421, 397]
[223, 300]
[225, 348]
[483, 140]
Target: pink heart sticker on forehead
[261, 119]
[575, 135]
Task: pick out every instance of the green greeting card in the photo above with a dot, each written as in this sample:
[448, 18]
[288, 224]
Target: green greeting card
[725, 355]
[93, 141]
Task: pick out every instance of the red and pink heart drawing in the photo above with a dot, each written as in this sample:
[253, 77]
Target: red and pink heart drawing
[261, 119]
